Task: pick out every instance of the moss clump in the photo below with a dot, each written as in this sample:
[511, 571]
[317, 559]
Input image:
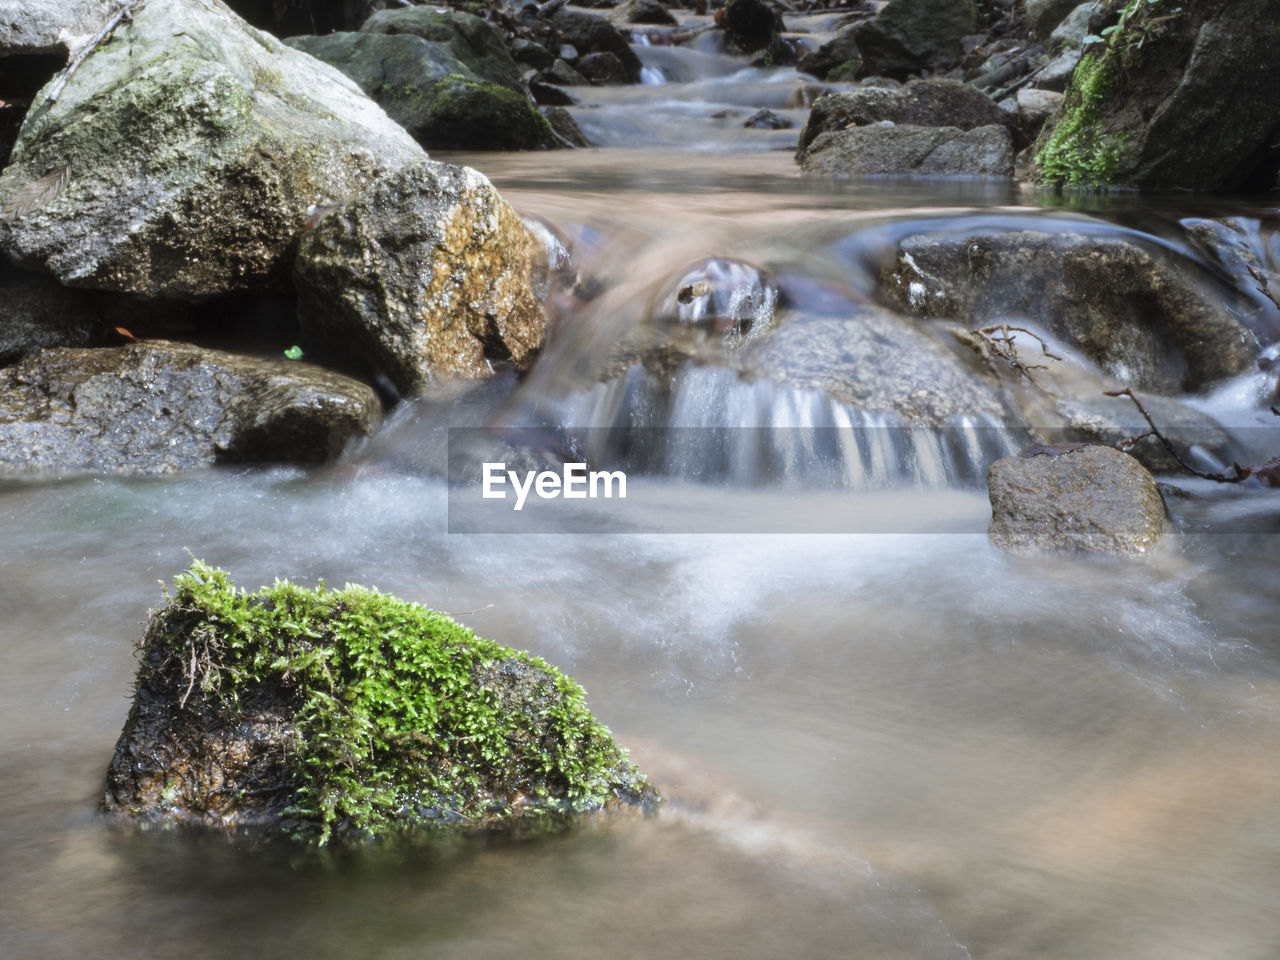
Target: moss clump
[324, 713]
[1075, 152]
[462, 113]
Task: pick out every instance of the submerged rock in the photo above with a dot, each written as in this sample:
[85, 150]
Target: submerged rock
[350, 715]
[1143, 319]
[1090, 499]
[1180, 99]
[157, 407]
[889, 149]
[185, 154]
[428, 275]
[436, 97]
[910, 36]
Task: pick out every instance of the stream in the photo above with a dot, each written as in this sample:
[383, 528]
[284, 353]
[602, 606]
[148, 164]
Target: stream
[878, 735]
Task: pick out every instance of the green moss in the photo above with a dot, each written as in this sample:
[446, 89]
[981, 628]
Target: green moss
[1075, 152]
[474, 114]
[403, 716]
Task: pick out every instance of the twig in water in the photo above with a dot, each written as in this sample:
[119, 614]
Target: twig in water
[1268, 473]
[997, 343]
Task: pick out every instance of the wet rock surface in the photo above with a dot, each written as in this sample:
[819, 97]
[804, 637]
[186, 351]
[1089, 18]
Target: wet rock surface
[426, 276]
[184, 156]
[1093, 499]
[906, 36]
[1141, 318]
[159, 407]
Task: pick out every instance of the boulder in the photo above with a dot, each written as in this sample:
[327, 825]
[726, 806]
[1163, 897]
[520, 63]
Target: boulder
[887, 148]
[35, 313]
[183, 157]
[343, 716]
[433, 95]
[1173, 101]
[50, 26]
[911, 36]
[873, 360]
[925, 103]
[1148, 321]
[603, 68]
[427, 275]
[589, 33]
[1091, 499]
[158, 407]
[476, 43]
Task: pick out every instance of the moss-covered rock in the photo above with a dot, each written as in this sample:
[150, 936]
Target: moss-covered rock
[436, 97]
[475, 42]
[350, 715]
[1178, 96]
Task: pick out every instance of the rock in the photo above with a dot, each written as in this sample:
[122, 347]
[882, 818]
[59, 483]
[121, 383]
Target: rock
[589, 33]
[909, 36]
[35, 313]
[1047, 14]
[874, 360]
[426, 276]
[565, 126]
[475, 42]
[530, 53]
[157, 407]
[1034, 108]
[925, 103]
[643, 11]
[889, 149]
[603, 68]
[561, 73]
[50, 26]
[433, 95]
[1173, 102]
[749, 25]
[236, 727]
[1093, 499]
[767, 120]
[183, 157]
[837, 59]
[719, 296]
[549, 95]
[1143, 319]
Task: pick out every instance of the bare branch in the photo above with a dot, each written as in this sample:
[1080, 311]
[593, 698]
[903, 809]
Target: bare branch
[1240, 473]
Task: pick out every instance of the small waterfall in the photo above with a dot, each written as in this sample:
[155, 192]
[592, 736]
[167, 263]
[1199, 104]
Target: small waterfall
[705, 424]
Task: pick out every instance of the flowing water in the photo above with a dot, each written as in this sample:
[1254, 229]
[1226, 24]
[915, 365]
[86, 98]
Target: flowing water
[896, 744]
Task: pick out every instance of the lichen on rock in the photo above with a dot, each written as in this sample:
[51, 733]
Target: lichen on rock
[350, 715]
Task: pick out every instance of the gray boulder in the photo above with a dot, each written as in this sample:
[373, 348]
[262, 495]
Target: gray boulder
[427, 275]
[35, 313]
[474, 42]
[158, 407]
[437, 98]
[50, 26]
[1141, 317]
[642, 11]
[837, 59]
[874, 360]
[910, 36]
[887, 148]
[183, 157]
[1035, 107]
[925, 103]
[1093, 499]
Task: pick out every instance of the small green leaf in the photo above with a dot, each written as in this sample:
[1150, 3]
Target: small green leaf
[294, 352]
[1091, 38]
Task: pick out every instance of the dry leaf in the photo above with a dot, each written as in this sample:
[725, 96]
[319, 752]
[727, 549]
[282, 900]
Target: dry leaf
[37, 193]
[126, 334]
